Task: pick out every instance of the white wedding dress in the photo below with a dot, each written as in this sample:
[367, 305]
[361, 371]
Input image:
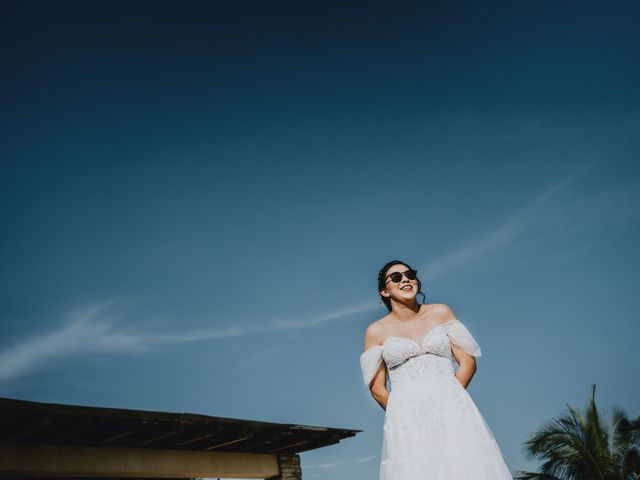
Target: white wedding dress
[432, 428]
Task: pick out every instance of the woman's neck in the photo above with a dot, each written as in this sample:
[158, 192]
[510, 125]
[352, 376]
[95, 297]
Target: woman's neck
[404, 312]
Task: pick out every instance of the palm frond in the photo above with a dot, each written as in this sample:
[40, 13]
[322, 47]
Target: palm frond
[582, 445]
[523, 475]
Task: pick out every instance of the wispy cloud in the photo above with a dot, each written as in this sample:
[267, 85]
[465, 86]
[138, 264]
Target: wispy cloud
[554, 224]
[336, 314]
[324, 466]
[84, 331]
[97, 329]
[557, 224]
[328, 465]
[368, 458]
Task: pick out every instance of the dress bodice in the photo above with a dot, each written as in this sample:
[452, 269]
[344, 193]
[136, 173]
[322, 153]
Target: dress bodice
[408, 361]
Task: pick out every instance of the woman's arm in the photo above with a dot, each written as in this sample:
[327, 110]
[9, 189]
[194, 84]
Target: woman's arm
[467, 364]
[378, 385]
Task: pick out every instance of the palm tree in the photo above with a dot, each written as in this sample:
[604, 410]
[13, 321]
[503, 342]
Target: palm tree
[581, 446]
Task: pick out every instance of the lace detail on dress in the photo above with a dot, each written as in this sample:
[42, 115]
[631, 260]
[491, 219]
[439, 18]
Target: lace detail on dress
[409, 363]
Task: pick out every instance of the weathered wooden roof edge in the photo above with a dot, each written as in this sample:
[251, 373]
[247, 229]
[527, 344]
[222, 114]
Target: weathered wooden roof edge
[39, 422]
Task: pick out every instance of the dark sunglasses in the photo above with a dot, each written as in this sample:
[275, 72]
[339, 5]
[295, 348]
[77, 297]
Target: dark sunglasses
[396, 277]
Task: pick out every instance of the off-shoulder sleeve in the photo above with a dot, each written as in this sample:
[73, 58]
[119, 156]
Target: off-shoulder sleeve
[462, 338]
[370, 361]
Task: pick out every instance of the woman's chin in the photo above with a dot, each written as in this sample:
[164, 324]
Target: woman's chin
[407, 297]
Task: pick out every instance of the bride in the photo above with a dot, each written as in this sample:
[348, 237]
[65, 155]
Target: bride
[432, 428]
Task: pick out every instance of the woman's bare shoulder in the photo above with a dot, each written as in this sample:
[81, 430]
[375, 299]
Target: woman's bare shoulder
[375, 332]
[442, 312]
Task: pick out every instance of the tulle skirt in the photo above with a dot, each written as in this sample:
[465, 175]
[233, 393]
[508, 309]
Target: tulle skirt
[434, 431]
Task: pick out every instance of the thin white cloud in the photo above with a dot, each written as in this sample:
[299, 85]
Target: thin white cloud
[329, 465]
[326, 317]
[95, 330]
[368, 458]
[505, 234]
[324, 466]
[84, 331]
[555, 224]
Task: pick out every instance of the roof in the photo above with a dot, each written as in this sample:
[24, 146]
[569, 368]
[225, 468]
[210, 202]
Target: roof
[58, 424]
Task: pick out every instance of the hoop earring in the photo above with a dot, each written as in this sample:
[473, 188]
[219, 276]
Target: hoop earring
[424, 297]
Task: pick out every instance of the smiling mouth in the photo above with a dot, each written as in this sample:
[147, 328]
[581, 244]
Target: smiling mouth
[407, 288]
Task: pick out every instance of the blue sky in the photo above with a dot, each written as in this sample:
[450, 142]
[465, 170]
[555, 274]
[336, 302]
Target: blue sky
[196, 199]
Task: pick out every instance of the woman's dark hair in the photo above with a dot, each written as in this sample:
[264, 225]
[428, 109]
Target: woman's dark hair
[382, 275]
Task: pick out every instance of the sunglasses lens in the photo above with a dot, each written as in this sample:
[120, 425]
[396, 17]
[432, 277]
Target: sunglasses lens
[411, 274]
[396, 277]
